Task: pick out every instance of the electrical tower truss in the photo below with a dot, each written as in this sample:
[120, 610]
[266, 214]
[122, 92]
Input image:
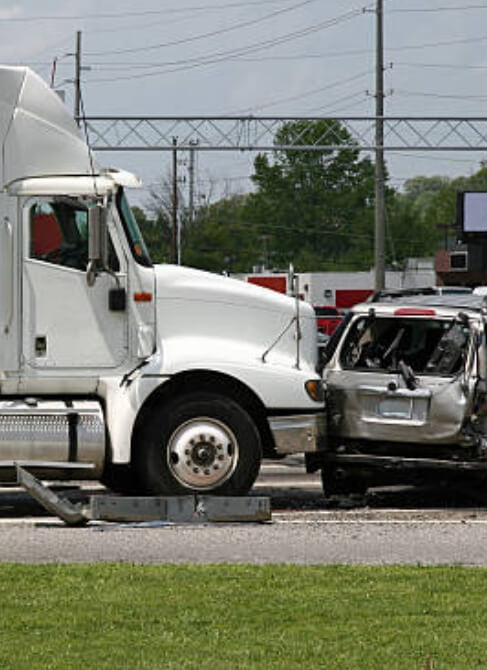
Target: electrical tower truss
[252, 133]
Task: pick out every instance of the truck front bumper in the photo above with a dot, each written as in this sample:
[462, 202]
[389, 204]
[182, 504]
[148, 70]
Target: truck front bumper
[298, 433]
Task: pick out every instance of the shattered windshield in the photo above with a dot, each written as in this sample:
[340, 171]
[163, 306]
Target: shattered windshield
[427, 346]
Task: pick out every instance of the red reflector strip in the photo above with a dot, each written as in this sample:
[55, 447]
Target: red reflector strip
[143, 297]
[414, 311]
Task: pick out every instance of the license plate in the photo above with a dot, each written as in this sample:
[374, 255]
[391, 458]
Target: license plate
[396, 408]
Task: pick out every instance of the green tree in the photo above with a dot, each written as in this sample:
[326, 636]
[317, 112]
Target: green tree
[220, 238]
[156, 233]
[317, 205]
[417, 215]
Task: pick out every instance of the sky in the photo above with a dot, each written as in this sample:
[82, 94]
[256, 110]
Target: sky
[261, 57]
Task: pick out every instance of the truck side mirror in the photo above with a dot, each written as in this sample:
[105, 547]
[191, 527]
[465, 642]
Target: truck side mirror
[96, 242]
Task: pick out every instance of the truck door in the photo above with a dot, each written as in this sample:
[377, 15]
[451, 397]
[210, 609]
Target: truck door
[66, 323]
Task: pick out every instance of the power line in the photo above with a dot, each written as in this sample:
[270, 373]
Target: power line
[310, 230]
[433, 10]
[130, 65]
[241, 55]
[217, 57]
[452, 66]
[142, 26]
[299, 96]
[467, 40]
[117, 15]
[402, 154]
[201, 36]
[335, 110]
[447, 96]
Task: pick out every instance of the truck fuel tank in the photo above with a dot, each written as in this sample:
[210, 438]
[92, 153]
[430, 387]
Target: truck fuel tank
[50, 434]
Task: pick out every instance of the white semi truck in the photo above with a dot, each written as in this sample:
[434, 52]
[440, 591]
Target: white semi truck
[155, 378]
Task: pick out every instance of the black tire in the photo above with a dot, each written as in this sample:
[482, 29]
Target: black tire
[341, 483]
[198, 443]
[120, 479]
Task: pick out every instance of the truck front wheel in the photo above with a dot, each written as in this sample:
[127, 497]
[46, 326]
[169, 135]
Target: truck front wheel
[198, 443]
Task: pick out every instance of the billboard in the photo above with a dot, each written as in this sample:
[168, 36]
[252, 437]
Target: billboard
[472, 214]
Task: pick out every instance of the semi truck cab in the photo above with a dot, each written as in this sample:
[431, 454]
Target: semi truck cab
[155, 378]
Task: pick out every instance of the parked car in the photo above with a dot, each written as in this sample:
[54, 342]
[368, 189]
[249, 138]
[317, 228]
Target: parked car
[327, 318]
[406, 389]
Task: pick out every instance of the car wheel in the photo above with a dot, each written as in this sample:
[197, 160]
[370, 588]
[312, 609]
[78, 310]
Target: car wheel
[337, 482]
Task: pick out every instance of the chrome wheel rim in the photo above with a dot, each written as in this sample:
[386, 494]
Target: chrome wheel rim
[202, 453]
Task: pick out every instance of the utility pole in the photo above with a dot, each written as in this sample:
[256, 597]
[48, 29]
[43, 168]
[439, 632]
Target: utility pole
[379, 153]
[77, 78]
[53, 72]
[265, 251]
[175, 238]
[193, 144]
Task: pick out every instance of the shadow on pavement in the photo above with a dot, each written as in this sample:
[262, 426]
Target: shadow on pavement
[17, 504]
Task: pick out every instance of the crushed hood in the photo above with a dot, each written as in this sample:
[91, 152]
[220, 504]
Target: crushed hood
[38, 136]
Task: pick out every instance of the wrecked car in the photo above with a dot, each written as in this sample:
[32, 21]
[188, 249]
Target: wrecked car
[406, 389]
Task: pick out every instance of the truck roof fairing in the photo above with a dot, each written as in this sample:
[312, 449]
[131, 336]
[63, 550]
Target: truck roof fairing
[105, 181]
[39, 137]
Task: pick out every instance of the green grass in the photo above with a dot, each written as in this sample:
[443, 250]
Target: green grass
[236, 617]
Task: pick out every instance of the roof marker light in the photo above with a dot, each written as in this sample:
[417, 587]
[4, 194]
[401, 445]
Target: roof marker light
[414, 311]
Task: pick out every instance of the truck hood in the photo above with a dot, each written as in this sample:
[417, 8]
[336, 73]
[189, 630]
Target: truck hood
[38, 136]
[231, 319]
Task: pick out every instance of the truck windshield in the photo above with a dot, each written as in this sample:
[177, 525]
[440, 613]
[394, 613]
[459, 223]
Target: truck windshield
[134, 236]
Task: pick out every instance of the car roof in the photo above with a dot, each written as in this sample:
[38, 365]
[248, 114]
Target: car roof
[395, 293]
[446, 304]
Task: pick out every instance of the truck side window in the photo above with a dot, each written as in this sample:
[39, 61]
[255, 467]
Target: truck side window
[59, 234]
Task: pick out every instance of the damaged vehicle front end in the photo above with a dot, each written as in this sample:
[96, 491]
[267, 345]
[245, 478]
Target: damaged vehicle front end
[406, 388]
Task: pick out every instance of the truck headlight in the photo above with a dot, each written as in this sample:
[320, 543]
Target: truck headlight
[314, 388]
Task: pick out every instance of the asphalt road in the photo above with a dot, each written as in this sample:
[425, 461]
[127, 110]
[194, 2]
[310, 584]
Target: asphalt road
[411, 526]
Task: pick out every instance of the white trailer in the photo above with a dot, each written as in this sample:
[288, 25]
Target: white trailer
[160, 379]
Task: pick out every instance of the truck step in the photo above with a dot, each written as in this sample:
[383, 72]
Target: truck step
[48, 465]
[68, 469]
